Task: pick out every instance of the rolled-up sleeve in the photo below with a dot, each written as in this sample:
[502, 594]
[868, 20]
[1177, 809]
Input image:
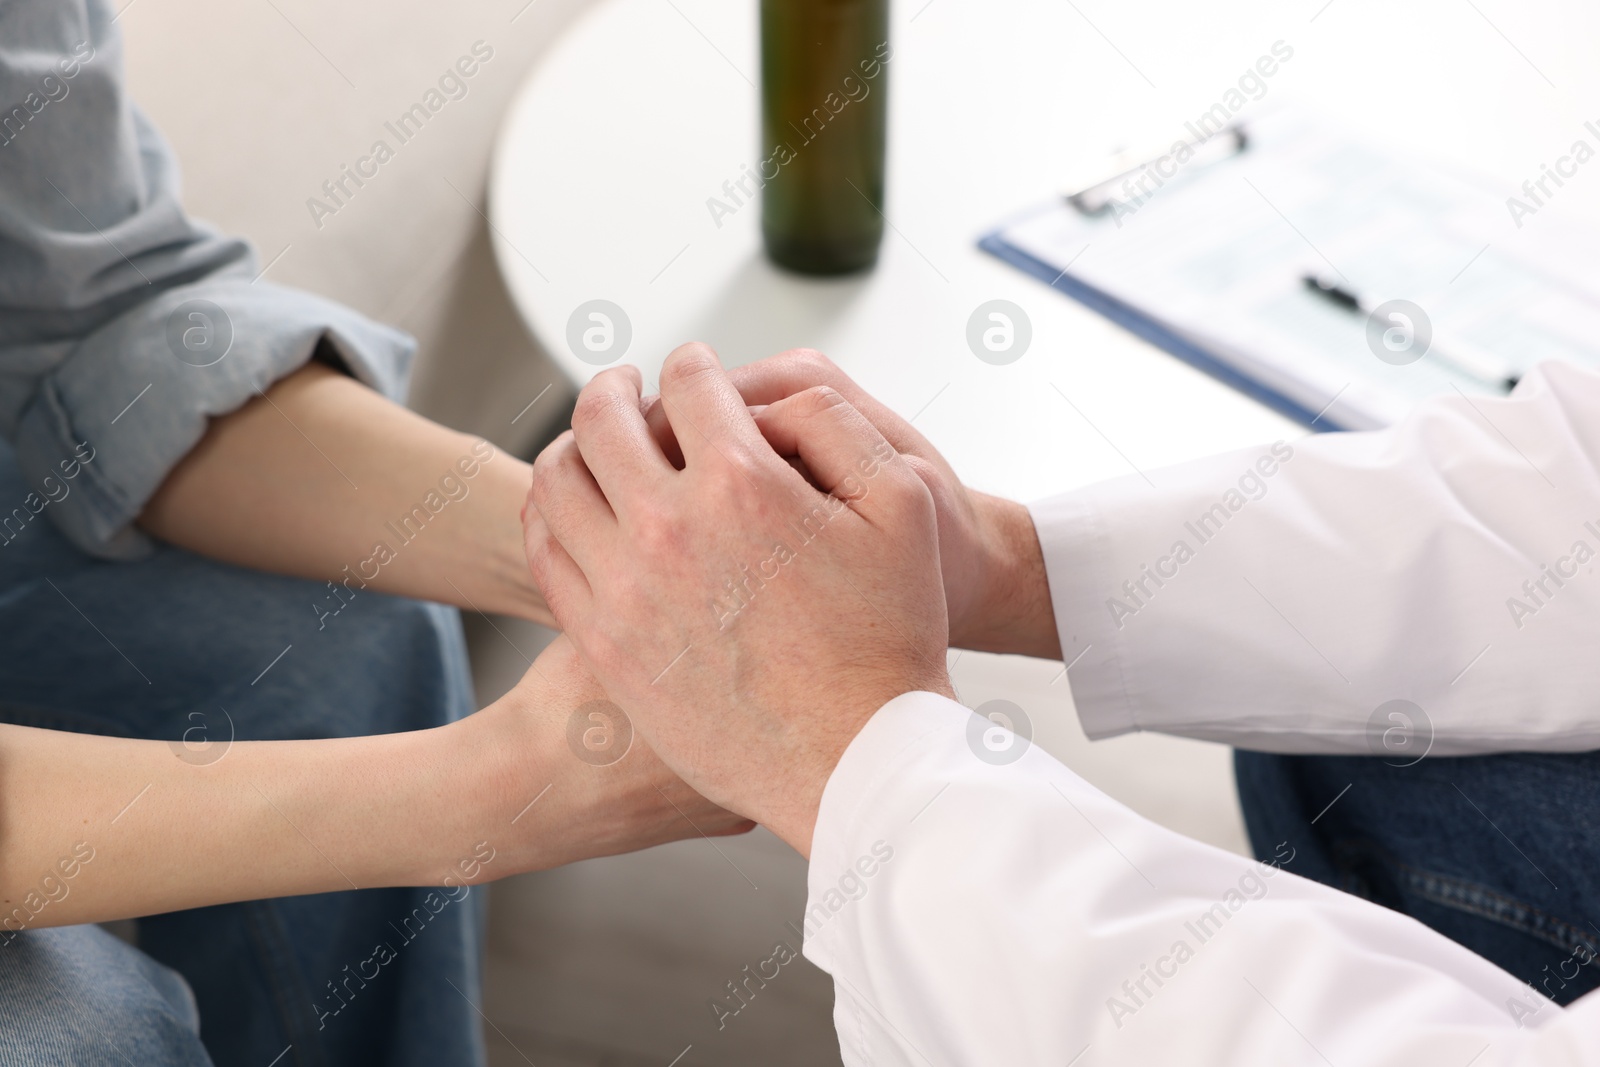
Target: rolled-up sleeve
[124, 324]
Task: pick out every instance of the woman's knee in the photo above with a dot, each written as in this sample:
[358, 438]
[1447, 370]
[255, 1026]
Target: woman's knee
[77, 994]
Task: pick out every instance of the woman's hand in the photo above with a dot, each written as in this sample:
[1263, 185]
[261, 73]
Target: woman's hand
[580, 782]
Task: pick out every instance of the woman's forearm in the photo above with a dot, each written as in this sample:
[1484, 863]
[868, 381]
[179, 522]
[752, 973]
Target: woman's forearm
[99, 828]
[323, 478]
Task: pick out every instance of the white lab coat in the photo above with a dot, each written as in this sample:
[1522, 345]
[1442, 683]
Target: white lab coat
[975, 914]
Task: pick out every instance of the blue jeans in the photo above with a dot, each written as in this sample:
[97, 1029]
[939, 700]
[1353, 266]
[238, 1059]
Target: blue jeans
[174, 644]
[1498, 853]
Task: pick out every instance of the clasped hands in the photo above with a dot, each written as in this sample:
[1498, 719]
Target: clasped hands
[754, 562]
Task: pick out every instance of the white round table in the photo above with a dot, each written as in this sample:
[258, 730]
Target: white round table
[646, 108]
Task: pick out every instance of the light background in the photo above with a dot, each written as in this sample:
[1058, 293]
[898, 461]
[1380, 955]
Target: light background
[612, 962]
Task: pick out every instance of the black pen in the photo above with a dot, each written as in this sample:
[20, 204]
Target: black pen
[1487, 368]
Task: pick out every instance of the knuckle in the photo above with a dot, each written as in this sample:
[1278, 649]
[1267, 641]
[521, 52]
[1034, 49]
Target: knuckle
[818, 399]
[743, 472]
[687, 363]
[539, 557]
[906, 491]
[619, 379]
[547, 472]
[596, 408]
[925, 472]
[815, 365]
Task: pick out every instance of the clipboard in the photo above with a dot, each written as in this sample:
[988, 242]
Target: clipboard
[1209, 259]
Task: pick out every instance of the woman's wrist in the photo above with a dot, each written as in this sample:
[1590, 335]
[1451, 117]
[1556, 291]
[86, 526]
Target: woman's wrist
[532, 792]
[486, 777]
[491, 564]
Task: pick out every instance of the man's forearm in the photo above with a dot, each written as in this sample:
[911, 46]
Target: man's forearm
[1013, 612]
[323, 478]
[1115, 934]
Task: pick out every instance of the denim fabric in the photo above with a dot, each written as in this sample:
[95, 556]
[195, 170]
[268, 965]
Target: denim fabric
[176, 644]
[124, 324]
[1499, 853]
[78, 997]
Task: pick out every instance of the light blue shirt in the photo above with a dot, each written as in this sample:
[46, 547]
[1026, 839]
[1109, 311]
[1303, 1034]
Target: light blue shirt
[124, 324]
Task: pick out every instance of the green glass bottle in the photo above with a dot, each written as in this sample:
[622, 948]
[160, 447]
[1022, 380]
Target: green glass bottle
[824, 130]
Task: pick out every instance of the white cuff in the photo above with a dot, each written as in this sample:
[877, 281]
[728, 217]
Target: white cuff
[1077, 560]
[861, 793]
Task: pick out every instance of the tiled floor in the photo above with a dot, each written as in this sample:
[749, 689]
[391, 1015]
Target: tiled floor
[614, 962]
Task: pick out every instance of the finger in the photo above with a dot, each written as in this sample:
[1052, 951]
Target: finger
[613, 439]
[558, 576]
[707, 414]
[787, 373]
[570, 502]
[655, 417]
[633, 373]
[843, 453]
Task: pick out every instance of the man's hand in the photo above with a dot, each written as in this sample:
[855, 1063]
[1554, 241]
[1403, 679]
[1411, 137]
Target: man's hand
[994, 577]
[748, 621]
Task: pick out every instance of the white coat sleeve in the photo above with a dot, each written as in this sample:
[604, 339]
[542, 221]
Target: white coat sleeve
[1430, 588]
[975, 915]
